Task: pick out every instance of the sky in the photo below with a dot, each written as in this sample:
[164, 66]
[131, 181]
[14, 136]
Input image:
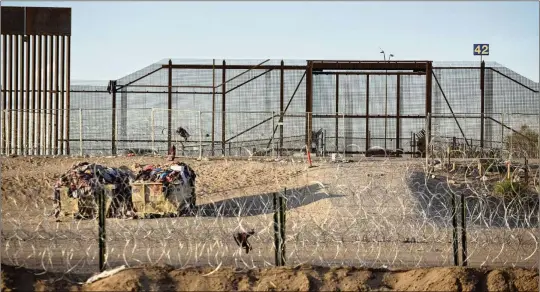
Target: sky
[113, 39]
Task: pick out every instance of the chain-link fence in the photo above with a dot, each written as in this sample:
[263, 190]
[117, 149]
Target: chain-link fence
[247, 134]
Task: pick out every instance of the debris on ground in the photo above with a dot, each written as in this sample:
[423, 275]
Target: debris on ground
[173, 173]
[84, 179]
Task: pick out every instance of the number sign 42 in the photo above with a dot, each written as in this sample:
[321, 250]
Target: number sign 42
[481, 49]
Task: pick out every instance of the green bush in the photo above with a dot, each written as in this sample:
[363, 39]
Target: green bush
[524, 141]
[508, 188]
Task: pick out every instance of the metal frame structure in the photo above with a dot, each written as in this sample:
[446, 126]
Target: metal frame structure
[359, 68]
[220, 84]
[312, 67]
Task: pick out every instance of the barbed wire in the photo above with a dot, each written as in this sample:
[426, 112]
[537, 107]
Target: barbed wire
[369, 212]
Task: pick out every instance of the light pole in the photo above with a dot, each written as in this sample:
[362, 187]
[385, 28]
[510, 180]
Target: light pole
[386, 98]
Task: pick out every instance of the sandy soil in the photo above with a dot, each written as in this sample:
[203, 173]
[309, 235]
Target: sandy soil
[300, 278]
[372, 213]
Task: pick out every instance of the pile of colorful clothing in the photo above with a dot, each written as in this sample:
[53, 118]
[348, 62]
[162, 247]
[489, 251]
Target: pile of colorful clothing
[87, 176]
[83, 178]
[173, 173]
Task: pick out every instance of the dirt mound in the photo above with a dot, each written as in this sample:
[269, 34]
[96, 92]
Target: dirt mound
[303, 278]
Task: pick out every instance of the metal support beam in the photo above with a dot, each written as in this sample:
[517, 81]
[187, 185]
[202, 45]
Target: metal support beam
[482, 103]
[112, 83]
[249, 80]
[309, 104]
[514, 80]
[281, 116]
[398, 111]
[367, 73]
[337, 112]
[429, 71]
[68, 91]
[213, 104]
[169, 109]
[235, 67]
[416, 66]
[223, 93]
[281, 104]
[367, 114]
[450, 108]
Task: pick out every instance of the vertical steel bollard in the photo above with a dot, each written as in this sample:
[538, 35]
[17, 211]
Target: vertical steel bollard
[102, 233]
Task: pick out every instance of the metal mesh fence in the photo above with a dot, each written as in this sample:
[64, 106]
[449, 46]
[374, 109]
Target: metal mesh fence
[387, 113]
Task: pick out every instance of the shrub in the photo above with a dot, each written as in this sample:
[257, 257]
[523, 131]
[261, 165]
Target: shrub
[508, 188]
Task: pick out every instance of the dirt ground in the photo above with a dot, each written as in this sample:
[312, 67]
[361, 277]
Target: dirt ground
[300, 278]
[374, 213]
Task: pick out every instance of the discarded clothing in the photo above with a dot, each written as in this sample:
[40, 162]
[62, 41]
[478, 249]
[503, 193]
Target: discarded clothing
[175, 173]
[83, 179]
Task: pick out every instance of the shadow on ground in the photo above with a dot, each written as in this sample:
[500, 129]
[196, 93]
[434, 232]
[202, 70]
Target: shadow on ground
[263, 203]
[483, 209]
[255, 204]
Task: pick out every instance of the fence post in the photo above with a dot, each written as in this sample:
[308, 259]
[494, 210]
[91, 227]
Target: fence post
[282, 209]
[454, 230]
[463, 232]
[277, 245]
[510, 140]
[152, 130]
[102, 233]
[344, 140]
[200, 135]
[112, 84]
[223, 104]
[337, 114]
[538, 146]
[428, 133]
[273, 127]
[502, 133]
[482, 105]
[413, 144]
[80, 132]
[169, 108]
